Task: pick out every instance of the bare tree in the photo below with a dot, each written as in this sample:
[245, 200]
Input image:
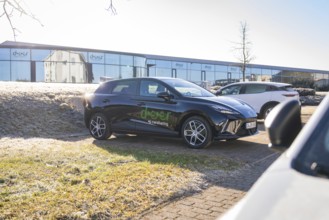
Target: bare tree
[12, 8]
[243, 49]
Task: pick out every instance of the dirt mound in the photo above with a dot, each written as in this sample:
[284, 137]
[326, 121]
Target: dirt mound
[41, 109]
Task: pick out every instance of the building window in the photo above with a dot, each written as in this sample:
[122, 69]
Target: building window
[112, 71]
[5, 71]
[96, 58]
[126, 72]
[40, 55]
[139, 61]
[126, 60]
[163, 72]
[4, 54]
[20, 54]
[208, 67]
[179, 65]
[195, 66]
[20, 71]
[112, 59]
[163, 64]
[98, 72]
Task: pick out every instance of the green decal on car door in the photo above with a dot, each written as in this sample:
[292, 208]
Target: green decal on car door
[155, 115]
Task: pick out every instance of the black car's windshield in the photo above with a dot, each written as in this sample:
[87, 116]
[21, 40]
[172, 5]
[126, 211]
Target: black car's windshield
[188, 89]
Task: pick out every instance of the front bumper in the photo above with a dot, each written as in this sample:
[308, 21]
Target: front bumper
[236, 128]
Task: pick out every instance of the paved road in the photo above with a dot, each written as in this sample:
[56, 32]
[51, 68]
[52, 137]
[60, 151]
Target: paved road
[217, 199]
[224, 193]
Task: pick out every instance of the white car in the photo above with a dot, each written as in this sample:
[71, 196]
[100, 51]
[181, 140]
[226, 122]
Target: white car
[296, 186]
[262, 96]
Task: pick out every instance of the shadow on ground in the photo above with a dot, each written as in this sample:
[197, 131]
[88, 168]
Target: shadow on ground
[246, 160]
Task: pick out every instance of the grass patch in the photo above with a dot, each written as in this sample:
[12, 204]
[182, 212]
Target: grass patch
[67, 180]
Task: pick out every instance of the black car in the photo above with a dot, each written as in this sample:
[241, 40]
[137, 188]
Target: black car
[166, 106]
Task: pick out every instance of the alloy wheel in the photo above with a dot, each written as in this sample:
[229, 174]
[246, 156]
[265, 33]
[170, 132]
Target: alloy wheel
[98, 127]
[196, 133]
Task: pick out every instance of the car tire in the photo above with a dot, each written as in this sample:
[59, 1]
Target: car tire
[267, 109]
[99, 127]
[196, 132]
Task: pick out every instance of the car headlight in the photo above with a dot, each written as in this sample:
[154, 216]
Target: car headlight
[225, 110]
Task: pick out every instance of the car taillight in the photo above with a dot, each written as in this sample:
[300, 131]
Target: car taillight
[289, 95]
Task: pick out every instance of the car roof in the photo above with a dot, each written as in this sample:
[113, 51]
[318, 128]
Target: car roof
[278, 84]
[142, 78]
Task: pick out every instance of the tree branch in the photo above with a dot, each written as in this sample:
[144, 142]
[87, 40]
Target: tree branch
[10, 7]
[8, 16]
[111, 8]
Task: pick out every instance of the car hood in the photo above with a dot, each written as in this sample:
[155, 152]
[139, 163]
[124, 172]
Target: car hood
[235, 104]
[283, 193]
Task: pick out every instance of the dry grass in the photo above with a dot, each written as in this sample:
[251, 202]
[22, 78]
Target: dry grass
[53, 179]
[46, 176]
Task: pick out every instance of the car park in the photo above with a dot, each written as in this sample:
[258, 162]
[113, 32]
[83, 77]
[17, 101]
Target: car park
[166, 106]
[296, 185]
[262, 96]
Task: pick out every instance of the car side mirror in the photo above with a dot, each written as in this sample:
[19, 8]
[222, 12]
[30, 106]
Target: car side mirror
[164, 95]
[283, 124]
[218, 93]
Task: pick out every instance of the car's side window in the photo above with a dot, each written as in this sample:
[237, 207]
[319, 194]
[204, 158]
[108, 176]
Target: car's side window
[104, 88]
[127, 87]
[231, 90]
[252, 89]
[151, 88]
[272, 88]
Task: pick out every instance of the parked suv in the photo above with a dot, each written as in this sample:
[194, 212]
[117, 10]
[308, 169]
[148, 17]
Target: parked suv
[262, 96]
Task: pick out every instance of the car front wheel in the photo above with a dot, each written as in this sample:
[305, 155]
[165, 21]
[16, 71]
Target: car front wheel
[99, 127]
[196, 132]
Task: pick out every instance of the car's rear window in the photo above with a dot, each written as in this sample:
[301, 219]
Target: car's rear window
[127, 87]
[286, 88]
[280, 88]
[104, 88]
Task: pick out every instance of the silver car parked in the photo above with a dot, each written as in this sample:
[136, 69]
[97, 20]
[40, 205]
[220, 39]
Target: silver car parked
[262, 96]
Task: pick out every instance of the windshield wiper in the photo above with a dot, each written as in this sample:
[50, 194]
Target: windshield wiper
[320, 170]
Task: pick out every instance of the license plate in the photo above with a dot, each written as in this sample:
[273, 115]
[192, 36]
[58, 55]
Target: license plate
[250, 125]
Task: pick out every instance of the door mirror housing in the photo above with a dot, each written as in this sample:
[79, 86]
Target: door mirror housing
[283, 124]
[219, 92]
[164, 95]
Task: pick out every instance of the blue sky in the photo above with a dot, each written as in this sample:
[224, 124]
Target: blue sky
[291, 33]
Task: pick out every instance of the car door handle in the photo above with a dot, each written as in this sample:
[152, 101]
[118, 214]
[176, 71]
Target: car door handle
[141, 103]
[106, 100]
